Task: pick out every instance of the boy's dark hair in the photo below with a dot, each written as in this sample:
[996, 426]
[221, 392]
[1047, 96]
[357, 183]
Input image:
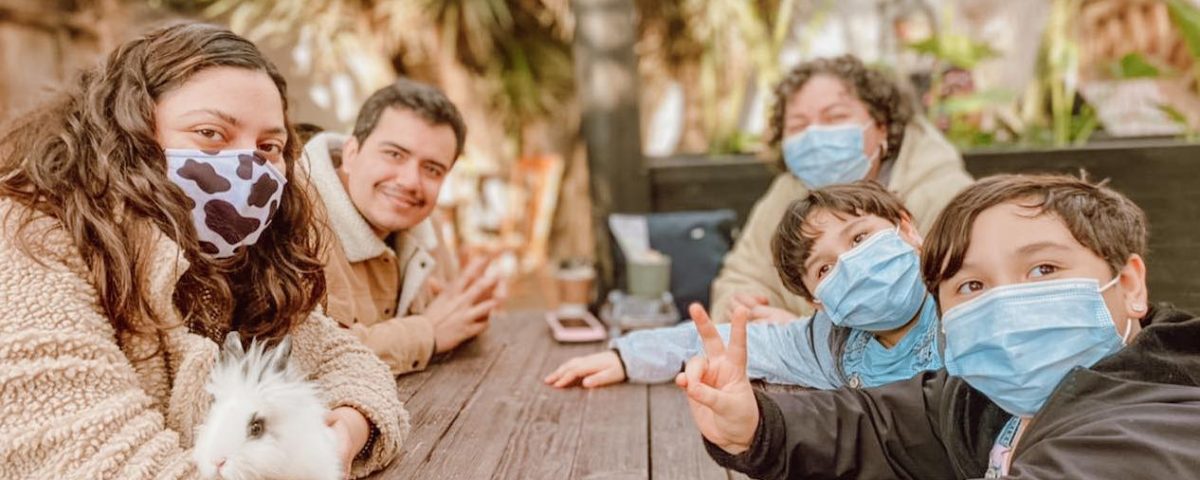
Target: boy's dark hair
[1100, 218]
[887, 103]
[792, 244]
[424, 100]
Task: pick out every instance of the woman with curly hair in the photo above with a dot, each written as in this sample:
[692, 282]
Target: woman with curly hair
[145, 212]
[835, 120]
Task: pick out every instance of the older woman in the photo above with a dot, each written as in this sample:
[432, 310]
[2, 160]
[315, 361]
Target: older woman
[835, 121]
[145, 212]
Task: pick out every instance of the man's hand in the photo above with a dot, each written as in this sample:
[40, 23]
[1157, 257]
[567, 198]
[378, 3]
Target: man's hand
[595, 370]
[718, 391]
[461, 309]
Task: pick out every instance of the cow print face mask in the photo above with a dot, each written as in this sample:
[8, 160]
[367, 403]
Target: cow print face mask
[234, 194]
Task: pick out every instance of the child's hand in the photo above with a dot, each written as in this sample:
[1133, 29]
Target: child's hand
[718, 390]
[596, 370]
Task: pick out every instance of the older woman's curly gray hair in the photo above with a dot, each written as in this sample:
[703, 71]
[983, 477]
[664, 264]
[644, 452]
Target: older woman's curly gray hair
[885, 101]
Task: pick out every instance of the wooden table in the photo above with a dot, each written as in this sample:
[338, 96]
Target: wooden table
[485, 413]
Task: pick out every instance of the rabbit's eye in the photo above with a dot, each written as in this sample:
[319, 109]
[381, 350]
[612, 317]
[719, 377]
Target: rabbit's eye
[256, 427]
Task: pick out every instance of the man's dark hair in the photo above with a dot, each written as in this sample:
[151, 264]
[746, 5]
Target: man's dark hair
[424, 100]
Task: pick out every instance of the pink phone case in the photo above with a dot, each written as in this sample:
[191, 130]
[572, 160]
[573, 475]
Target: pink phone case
[593, 332]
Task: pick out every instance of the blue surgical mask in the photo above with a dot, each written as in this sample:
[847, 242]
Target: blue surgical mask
[827, 154]
[876, 286]
[1015, 343]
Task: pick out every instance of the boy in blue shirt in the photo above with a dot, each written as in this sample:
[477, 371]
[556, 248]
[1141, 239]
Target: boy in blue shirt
[849, 249]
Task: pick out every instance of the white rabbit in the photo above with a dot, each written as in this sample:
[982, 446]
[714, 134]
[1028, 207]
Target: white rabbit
[266, 421]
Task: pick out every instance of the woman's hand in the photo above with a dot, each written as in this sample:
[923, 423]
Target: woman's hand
[765, 314]
[595, 370]
[352, 430]
[747, 301]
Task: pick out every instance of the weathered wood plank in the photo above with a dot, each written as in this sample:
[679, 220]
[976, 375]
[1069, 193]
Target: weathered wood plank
[470, 444]
[613, 443]
[434, 398]
[409, 384]
[676, 448]
[545, 441]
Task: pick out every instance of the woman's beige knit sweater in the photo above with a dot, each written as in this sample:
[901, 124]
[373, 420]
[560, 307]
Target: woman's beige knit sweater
[73, 403]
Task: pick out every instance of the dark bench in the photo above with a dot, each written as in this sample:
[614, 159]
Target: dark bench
[1160, 175]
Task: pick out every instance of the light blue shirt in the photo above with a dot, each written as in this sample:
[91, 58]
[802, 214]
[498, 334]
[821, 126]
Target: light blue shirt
[795, 353]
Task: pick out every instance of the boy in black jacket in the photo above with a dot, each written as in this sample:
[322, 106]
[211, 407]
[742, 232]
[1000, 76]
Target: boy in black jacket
[1048, 371]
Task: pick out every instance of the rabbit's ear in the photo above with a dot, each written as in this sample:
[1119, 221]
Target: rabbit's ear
[233, 345]
[281, 354]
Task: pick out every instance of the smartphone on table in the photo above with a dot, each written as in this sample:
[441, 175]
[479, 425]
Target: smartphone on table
[575, 326]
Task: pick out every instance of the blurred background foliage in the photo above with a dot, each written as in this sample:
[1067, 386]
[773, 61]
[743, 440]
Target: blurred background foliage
[514, 59]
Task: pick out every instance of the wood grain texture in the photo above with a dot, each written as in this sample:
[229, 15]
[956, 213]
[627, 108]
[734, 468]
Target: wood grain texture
[493, 400]
[546, 439]
[483, 412]
[676, 448]
[613, 443]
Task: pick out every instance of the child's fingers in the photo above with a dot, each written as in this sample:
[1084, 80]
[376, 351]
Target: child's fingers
[694, 370]
[601, 378]
[704, 395]
[568, 378]
[713, 345]
[737, 338]
[561, 370]
[577, 369]
[681, 380]
[696, 389]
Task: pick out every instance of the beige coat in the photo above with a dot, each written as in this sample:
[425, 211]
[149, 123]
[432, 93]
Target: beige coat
[74, 403]
[926, 174]
[377, 289]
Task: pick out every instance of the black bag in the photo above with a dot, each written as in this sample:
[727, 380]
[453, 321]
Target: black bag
[697, 242]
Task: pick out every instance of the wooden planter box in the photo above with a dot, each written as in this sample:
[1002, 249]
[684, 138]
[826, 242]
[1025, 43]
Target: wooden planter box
[1161, 176]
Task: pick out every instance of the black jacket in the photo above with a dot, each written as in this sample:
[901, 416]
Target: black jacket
[1135, 414]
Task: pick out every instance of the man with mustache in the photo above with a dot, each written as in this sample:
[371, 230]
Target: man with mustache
[391, 280]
